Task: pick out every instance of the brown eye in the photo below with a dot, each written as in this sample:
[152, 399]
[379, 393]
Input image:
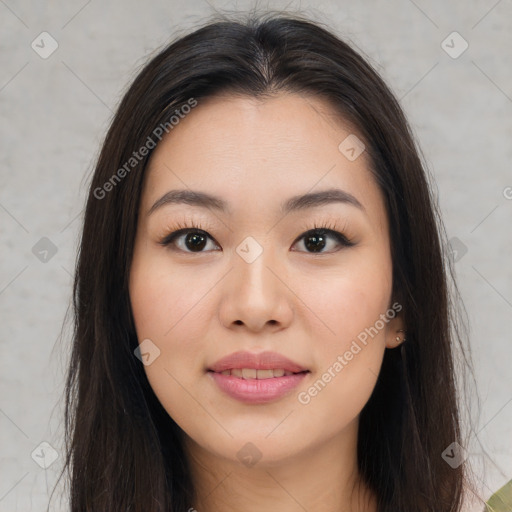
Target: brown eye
[188, 240]
[316, 240]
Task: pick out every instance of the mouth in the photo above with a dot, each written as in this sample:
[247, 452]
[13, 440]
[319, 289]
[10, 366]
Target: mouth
[256, 378]
[254, 386]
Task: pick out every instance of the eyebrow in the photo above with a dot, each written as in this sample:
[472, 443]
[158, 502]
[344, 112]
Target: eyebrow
[295, 203]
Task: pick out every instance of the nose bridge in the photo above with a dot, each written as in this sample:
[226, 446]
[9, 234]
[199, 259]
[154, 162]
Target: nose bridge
[256, 296]
[251, 263]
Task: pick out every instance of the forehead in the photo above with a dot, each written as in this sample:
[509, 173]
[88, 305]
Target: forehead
[255, 153]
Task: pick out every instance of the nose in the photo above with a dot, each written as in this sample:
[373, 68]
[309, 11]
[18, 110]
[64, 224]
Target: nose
[256, 295]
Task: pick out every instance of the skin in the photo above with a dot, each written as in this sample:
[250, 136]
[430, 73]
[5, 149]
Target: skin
[197, 307]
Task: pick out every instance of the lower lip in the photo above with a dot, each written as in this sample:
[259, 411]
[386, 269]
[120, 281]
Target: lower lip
[257, 391]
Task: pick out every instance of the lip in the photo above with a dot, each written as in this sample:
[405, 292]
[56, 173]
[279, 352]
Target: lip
[254, 391]
[257, 391]
[261, 361]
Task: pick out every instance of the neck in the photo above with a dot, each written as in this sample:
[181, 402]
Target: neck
[323, 478]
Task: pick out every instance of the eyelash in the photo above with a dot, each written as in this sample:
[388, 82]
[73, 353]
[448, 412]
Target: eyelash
[328, 228]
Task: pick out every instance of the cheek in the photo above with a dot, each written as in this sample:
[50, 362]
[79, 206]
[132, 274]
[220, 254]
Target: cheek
[163, 306]
[349, 361]
[164, 298]
[170, 319]
[346, 303]
[166, 310]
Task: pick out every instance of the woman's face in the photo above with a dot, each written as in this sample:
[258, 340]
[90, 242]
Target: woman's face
[253, 280]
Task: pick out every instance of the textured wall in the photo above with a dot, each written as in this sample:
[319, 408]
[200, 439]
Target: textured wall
[55, 108]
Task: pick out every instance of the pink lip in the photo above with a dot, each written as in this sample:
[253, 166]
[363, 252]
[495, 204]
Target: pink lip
[261, 361]
[256, 391]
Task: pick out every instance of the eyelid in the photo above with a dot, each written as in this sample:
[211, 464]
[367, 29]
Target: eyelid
[185, 224]
[329, 226]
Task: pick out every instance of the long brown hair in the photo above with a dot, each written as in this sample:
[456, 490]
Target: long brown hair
[124, 452]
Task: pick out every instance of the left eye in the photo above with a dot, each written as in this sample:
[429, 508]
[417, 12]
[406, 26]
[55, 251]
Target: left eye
[315, 240]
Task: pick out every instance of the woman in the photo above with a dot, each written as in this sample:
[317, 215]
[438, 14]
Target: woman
[262, 317]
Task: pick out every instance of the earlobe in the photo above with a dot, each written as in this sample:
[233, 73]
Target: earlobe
[396, 332]
[396, 338]
[400, 339]
[396, 328]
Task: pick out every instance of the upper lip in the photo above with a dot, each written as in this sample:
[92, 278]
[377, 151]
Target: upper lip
[260, 361]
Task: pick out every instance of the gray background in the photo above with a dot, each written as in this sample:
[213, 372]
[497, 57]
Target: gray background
[55, 112]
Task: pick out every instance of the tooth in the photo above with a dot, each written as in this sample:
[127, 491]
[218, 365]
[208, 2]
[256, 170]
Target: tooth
[265, 374]
[252, 373]
[249, 373]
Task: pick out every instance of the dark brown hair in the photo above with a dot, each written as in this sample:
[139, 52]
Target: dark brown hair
[124, 452]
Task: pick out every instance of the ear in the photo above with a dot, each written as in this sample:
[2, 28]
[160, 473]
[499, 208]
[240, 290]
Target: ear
[396, 331]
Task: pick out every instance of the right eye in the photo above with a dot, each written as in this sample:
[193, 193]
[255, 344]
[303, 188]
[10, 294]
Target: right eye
[189, 240]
